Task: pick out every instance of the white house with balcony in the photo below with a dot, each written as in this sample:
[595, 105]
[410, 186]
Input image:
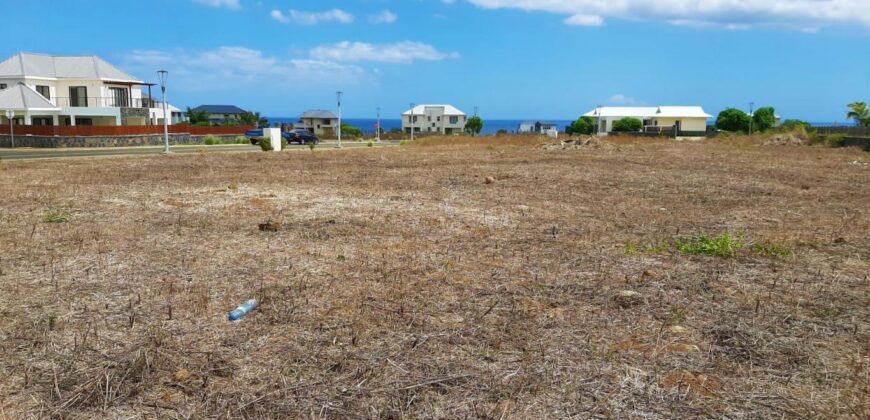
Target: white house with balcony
[85, 90]
[444, 119]
[688, 121]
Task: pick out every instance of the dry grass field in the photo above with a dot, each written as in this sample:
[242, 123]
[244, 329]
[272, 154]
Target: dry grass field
[449, 278]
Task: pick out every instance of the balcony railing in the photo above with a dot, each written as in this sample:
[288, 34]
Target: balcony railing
[100, 102]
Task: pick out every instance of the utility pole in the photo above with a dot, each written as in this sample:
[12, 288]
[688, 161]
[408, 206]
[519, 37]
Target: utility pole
[338, 95]
[10, 114]
[411, 120]
[751, 105]
[162, 75]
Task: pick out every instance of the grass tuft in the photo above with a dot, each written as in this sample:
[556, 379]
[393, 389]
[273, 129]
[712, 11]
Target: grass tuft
[56, 216]
[724, 245]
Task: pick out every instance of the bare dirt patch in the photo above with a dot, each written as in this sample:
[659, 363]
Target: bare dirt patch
[449, 278]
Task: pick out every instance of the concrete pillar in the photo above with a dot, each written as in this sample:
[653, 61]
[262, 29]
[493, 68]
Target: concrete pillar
[72, 120]
[55, 120]
[27, 119]
[274, 135]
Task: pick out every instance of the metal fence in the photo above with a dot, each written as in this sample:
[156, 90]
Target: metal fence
[847, 130]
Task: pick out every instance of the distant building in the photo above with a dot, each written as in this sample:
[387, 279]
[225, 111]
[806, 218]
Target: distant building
[72, 90]
[155, 113]
[689, 121]
[444, 119]
[318, 121]
[220, 114]
[539, 127]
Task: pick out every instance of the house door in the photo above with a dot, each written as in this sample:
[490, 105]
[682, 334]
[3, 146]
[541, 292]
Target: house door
[677, 127]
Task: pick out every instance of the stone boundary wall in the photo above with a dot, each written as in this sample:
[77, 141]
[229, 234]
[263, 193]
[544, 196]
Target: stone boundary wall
[105, 141]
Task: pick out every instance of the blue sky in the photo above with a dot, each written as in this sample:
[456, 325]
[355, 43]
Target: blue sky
[513, 59]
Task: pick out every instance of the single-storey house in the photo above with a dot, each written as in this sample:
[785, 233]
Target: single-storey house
[687, 121]
[539, 127]
[318, 121]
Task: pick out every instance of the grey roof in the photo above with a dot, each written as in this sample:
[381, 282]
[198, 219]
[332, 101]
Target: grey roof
[219, 109]
[62, 67]
[319, 113]
[22, 97]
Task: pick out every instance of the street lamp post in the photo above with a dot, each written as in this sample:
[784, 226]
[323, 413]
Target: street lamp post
[751, 105]
[378, 127]
[9, 115]
[411, 121]
[338, 95]
[162, 75]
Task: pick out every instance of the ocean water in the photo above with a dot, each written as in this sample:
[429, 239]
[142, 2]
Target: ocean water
[368, 125]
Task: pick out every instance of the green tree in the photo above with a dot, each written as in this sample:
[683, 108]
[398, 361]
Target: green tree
[627, 124]
[583, 125]
[253, 118]
[197, 117]
[348, 130]
[763, 119]
[859, 112]
[474, 125]
[733, 119]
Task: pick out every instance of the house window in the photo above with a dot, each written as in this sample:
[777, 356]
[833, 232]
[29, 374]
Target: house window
[326, 122]
[44, 91]
[118, 97]
[439, 119]
[454, 120]
[3, 86]
[78, 96]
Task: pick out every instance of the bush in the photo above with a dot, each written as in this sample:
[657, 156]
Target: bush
[55, 216]
[720, 246]
[370, 144]
[789, 125]
[583, 125]
[627, 124]
[210, 140]
[266, 144]
[733, 119]
[350, 131]
[763, 119]
[835, 139]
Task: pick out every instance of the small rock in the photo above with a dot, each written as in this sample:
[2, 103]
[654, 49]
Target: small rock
[648, 274]
[840, 240]
[489, 180]
[628, 298]
[182, 375]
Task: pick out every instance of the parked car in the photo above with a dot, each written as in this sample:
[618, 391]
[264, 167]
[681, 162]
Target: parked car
[295, 136]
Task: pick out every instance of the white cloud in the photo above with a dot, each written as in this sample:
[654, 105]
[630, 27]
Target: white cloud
[620, 99]
[385, 16]
[229, 4]
[400, 52]
[229, 68]
[584, 20]
[730, 14]
[312, 18]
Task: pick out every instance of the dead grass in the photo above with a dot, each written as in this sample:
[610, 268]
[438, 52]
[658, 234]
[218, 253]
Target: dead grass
[399, 283]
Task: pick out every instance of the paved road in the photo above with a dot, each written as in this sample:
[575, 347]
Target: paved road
[60, 153]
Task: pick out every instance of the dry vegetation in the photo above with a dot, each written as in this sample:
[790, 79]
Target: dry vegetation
[452, 278]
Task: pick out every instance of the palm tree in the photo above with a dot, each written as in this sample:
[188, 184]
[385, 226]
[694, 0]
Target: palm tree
[860, 113]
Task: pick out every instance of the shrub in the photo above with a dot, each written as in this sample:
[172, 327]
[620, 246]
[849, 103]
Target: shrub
[404, 143]
[583, 125]
[721, 246]
[55, 216]
[370, 144]
[772, 250]
[350, 131]
[789, 125]
[210, 140]
[835, 140]
[311, 145]
[733, 119]
[242, 140]
[627, 124]
[266, 144]
[763, 119]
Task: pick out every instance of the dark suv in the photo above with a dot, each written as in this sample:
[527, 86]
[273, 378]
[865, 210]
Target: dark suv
[302, 137]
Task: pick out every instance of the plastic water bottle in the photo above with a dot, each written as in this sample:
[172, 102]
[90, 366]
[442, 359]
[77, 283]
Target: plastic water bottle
[242, 310]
